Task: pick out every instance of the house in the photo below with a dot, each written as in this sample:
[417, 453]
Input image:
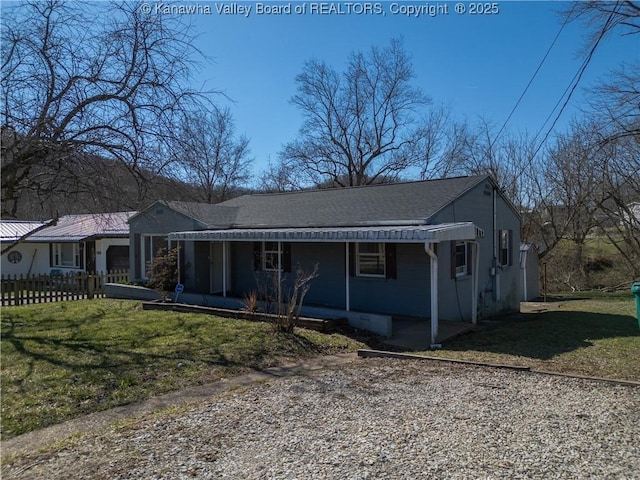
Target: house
[436, 250]
[17, 260]
[634, 213]
[76, 243]
[530, 272]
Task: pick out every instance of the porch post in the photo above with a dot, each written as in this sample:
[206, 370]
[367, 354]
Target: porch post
[178, 253]
[433, 263]
[224, 268]
[347, 275]
[474, 283]
[279, 276]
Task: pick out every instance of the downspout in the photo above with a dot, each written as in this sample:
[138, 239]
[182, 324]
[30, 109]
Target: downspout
[433, 263]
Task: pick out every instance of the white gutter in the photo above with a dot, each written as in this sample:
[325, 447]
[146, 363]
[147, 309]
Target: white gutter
[433, 262]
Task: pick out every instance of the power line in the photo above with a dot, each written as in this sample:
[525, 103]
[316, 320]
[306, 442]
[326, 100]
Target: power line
[571, 89]
[566, 20]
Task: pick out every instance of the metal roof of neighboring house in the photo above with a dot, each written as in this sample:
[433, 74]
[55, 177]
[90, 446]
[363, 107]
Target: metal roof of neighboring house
[75, 228]
[409, 203]
[12, 230]
[396, 234]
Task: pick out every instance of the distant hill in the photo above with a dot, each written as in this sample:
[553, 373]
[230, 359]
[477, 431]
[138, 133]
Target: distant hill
[95, 185]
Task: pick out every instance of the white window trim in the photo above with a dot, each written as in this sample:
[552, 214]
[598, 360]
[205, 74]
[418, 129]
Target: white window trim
[57, 255]
[381, 254]
[143, 250]
[509, 242]
[465, 266]
[278, 251]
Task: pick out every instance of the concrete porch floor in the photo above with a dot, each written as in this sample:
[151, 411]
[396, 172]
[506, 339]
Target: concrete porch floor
[415, 334]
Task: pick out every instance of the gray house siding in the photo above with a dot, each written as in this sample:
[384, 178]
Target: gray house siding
[159, 220]
[408, 294]
[328, 289]
[497, 293]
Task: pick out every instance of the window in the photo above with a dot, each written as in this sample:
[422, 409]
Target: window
[371, 260]
[505, 247]
[271, 256]
[460, 259]
[268, 255]
[67, 255]
[151, 244]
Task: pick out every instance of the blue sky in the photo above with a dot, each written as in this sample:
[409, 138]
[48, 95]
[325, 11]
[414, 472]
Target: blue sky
[479, 65]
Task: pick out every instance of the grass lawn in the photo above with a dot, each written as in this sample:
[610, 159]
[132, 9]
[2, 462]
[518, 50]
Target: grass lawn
[589, 334]
[61, 360]
[65, 359]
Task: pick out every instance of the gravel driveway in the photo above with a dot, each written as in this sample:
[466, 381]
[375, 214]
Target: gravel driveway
[373, 418]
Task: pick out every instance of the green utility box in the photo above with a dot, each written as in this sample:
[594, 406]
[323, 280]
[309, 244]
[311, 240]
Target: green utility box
[635, 289]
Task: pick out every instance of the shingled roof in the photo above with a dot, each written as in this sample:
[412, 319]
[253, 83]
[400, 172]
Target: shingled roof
[409, 203]
[398, 203]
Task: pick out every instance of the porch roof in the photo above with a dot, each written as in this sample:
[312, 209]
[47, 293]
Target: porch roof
[391, 233]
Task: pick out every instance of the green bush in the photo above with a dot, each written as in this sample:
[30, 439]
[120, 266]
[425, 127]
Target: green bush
[163, 272]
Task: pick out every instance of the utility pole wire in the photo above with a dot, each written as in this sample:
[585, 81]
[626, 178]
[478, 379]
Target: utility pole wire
[572, 87]
[566, 20]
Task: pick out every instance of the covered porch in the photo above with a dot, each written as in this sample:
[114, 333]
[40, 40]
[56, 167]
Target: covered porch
[424, 238]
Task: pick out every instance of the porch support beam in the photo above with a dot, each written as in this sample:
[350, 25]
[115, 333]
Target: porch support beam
[433, 263]
[347, 275]
[224, 268]
[475, 251]
[279, 276]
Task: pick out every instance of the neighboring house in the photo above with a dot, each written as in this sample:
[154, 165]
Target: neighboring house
[76, 243]
[378, 247]
[634, 211]
[530, 272]
[18, 260]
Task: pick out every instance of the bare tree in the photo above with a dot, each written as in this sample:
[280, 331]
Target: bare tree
[359, 125]
[73, 88]
[615, 100]
[442, 143]
[603, 17]
[617, 198]
[211, 155]
[615, 108]
[278, 178]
